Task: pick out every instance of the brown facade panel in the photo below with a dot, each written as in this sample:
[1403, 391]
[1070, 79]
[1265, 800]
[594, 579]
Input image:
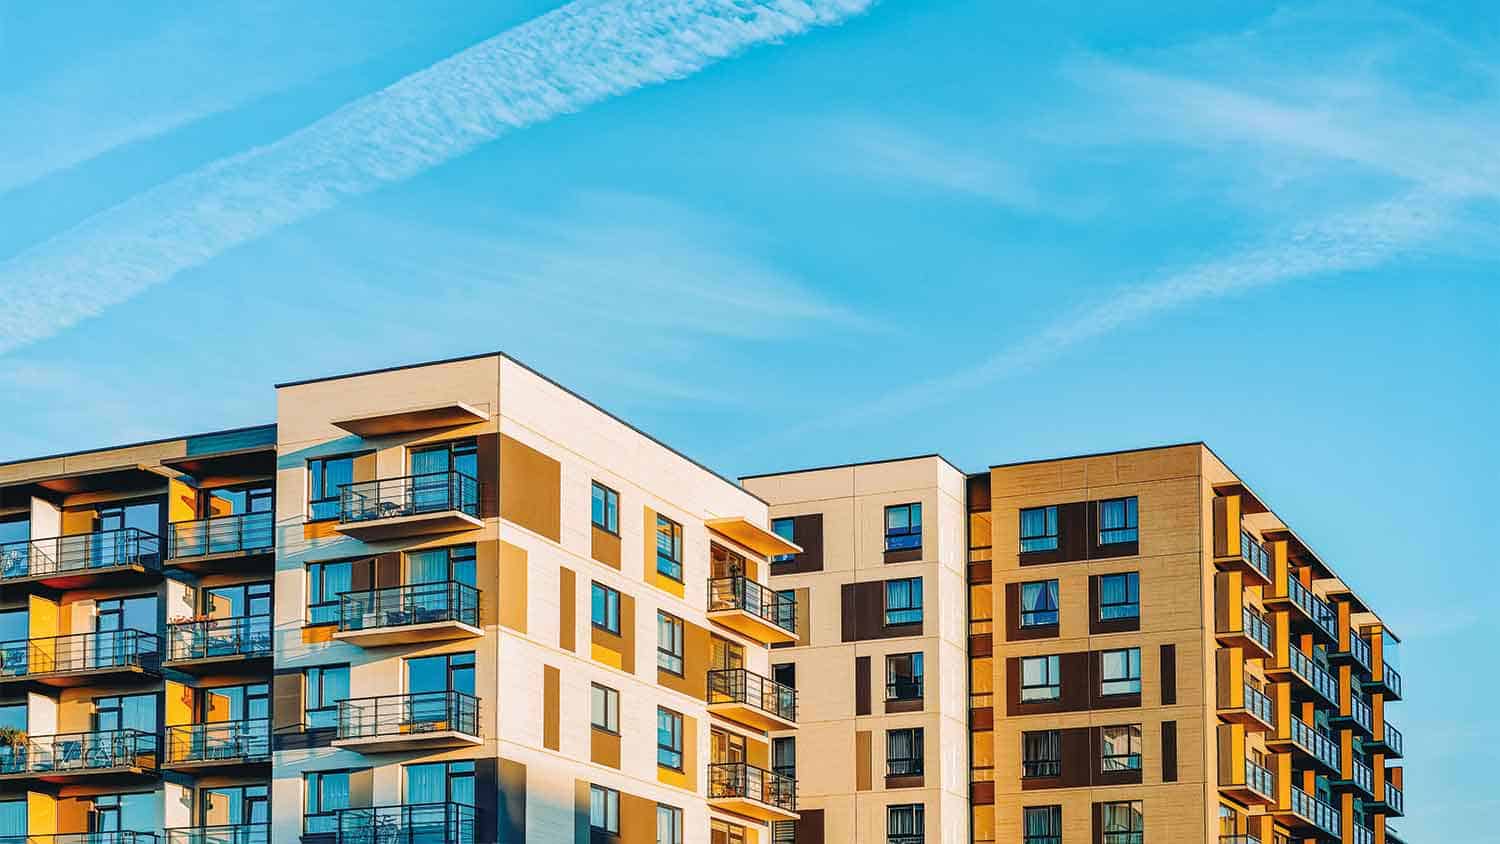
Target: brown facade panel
[1169, 751]
[902, 555]
[982, 793]
[286, 701]
[512, 597]
[1077, 538]
[810, 826]
[807, 531]
[982, 719]
[861, 685]
[981, 645]
[1099, 625]
[604, 546]
[530, 489]
[567, 608]
[1014, 632]
[1168, 675]
[1074, 679]
[551, 707]
[862, 607]
[487, 455]
[863, 764]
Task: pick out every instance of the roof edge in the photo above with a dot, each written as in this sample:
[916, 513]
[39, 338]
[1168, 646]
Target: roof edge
[156, 441]
[856, 464]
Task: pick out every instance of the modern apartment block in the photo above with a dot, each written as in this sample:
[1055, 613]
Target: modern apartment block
[454, 602]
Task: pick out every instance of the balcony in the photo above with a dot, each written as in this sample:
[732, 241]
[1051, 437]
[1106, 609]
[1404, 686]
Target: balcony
[1311, 746]
[424, 720]
[1307, 813]
[415, 505]
[1310, 676]
[751, 791]
[1390, 742]
[245, 833]
[412, 823]
[220, 645]
[105, 756]
[1253, 633]
[749, 608]
[222, 543]
[1358, 654]
[1390, 682]
[1392, 836]
[1394, 804]
[1253, 560]
[752, 700]
[1254, 710]
[1362, 835]
[222, 746]
[420, 612]
[1257, 786]
[125, 837]
[100, 658]
[1309, 608]
[1238, 839]
[126, 555]
[1359, 718]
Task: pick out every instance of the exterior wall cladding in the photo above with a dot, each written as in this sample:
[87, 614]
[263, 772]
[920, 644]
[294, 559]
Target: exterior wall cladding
[454, 602]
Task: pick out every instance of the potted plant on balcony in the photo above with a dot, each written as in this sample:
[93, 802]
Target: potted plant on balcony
[12, 737]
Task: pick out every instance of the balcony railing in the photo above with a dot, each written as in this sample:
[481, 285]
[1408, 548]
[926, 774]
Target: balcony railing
[1359, 710]
[1392, 836]
[245, 833]
[1260, 780]
[1311, 673]
[1359, 648]
[1393, 739]
[1257, 628]
[736, 685]
[80, 753]
[1321, 614]
[1124, 837]
[243, 533]
[81, 652]
[230, 741]
[1315, 743]
[1362, 835]
[1364, 777]
[1238, 839]
[1392, 680]
[412, 823]
[741, 593]
[1394, 798]
[122, 837]
[416, 603]
[422, 712]
[740, 780]
[1319, 814]
[413, 495]
[1254, 553]
[79, 553]
[1259, 705]
[211, 638]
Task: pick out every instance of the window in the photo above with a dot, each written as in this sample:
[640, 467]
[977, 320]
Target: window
[1117, 521]
[668, 824]
[438, 565]
[327, 792]
[324, 686]
[427, 783]
[605, 608]
[1120, 672]
[783, 832]
[903, 676]
[1039, 603]
[325, 475]
[1041, 754]
[669, 547]
[784, 528]
[604, 710]
[1039, 529]
[327, 581]
[903, 527]
[669, 643]
[785, 609]
[1121, 748]
[1040, 679]
[1123, 823]
[668, 739]
[785, 673]
[784, 756]
[1119, 596]
[903, 752]
[604, 810]
[720, 832]
[903, 824]
[606, 510]
[903, 601]
[1041, 825]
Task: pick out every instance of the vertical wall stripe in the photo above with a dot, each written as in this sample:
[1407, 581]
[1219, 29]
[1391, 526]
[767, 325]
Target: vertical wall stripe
[1169, 751]
[863, 753]
[1168, 675]
[567, 606]
[551, 708]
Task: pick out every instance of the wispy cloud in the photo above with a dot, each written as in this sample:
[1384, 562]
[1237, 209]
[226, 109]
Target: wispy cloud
[561, 62]
[909, 158]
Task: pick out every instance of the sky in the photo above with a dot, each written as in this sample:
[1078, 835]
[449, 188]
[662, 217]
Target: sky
[784, 233]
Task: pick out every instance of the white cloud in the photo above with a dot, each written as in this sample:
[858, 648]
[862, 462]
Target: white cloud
[561, 62]
[907, 157]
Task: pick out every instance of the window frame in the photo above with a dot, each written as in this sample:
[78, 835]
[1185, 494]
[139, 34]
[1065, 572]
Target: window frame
[915, 764]
[611, 623]
[1041, 767]
[1053, 834]
[674, 833]
[673, 730]
[1134, 812]
[324, 705]
[1049, 539]
[1053, 675]
[1132, 526]
[611, 515]
[1133, 745]
[318, 580]
[609, 798]
[777, 743]
[912, 605]
[611, 699]
[674, 652]
[913, 508]
[1133, 682]
[916, 813]
[1132, 587]
[322, 474]
[673, 561]
[1025, 621]
[789, 536]
[309, 792]
[914, 676]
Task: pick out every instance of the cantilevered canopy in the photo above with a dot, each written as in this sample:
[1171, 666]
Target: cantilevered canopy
[240, 462]
[1249, 503]
[423, 418]
[752, 536]
[129, 477]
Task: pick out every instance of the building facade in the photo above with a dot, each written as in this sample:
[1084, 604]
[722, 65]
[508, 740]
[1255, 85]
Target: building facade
[455, 602]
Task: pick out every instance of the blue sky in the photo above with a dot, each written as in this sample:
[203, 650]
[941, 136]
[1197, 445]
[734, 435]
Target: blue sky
[809, 232]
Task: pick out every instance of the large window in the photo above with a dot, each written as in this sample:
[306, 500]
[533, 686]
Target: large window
[784, 528]
[784, 756]
[903, 824]
[1122, 822]
[1120, 748]
[116, 813]
[327, 581]
[606, 509]
[1041, 754]
[1039, 603]
[1039, 529]
[903, 676]
[1119, 596]
[325, 475]
[605, 608]
[436, 565]
[1041, 825]
[669, 643]
[1117, 521]
[426, 783]
[604, 809]
[903, 752]
[1040, 679]
[668, 547]
[604, 711]
[903, 527]
[1120, 672]
[785, 673]
[325, 686]
[668, 739]
[327, 792]
[668, 824]
[903, 601]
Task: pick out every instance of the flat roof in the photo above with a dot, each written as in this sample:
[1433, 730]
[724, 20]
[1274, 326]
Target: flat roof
[854, 465]
[1103, 454]
[270, 425]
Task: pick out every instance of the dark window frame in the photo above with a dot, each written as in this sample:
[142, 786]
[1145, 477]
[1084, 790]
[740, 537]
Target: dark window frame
[1134, 812]
[903, 534]
[610, 799]
[915, 817]
[1053, 672]
[611, 623]
[906, 766]
[674, 653]
[914, 602]
[671, 565]
[1124, 534]
[1109, 762]
[324, 704]
[908, 686]
[1049, 538]
[1132, 588]
[610, 712]
[609, 514]
[791, 524]
[1053, 823]
[316, 586]
[1047, 763]
[672, 750]
[1030, 618]
[321, 495]
[1133, 681]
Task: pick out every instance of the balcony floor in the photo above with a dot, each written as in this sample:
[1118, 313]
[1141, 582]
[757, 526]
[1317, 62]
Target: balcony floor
[401, 527]
[750, 716]
[751, 625]
[263, 559]
[401, 634]
[751, 808]
[436, 739]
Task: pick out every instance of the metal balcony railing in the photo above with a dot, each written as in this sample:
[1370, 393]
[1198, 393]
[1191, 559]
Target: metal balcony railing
[1254, 553]
[737, 685]
[1321, 614]
[210, 638]
[1315, 743]
[411, 823]
[741, 780]
[415, 603]
[122, 837]
[741, 593]
[1316, 812]
[1359, 710]
[1257, 628]
[1259, 705]
[80, 652]
[412, 495]
[421, 712]
[229, 741]
[81, 752]
[1394, 798]
[1364, 777]
[1392, 680]
[1362, 835]
[1393, 739]
[244, 833]
[1260, 780]
[79, 553]
[1238, 839]
[1359, 648]
[1314, 675]
[242, 533]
